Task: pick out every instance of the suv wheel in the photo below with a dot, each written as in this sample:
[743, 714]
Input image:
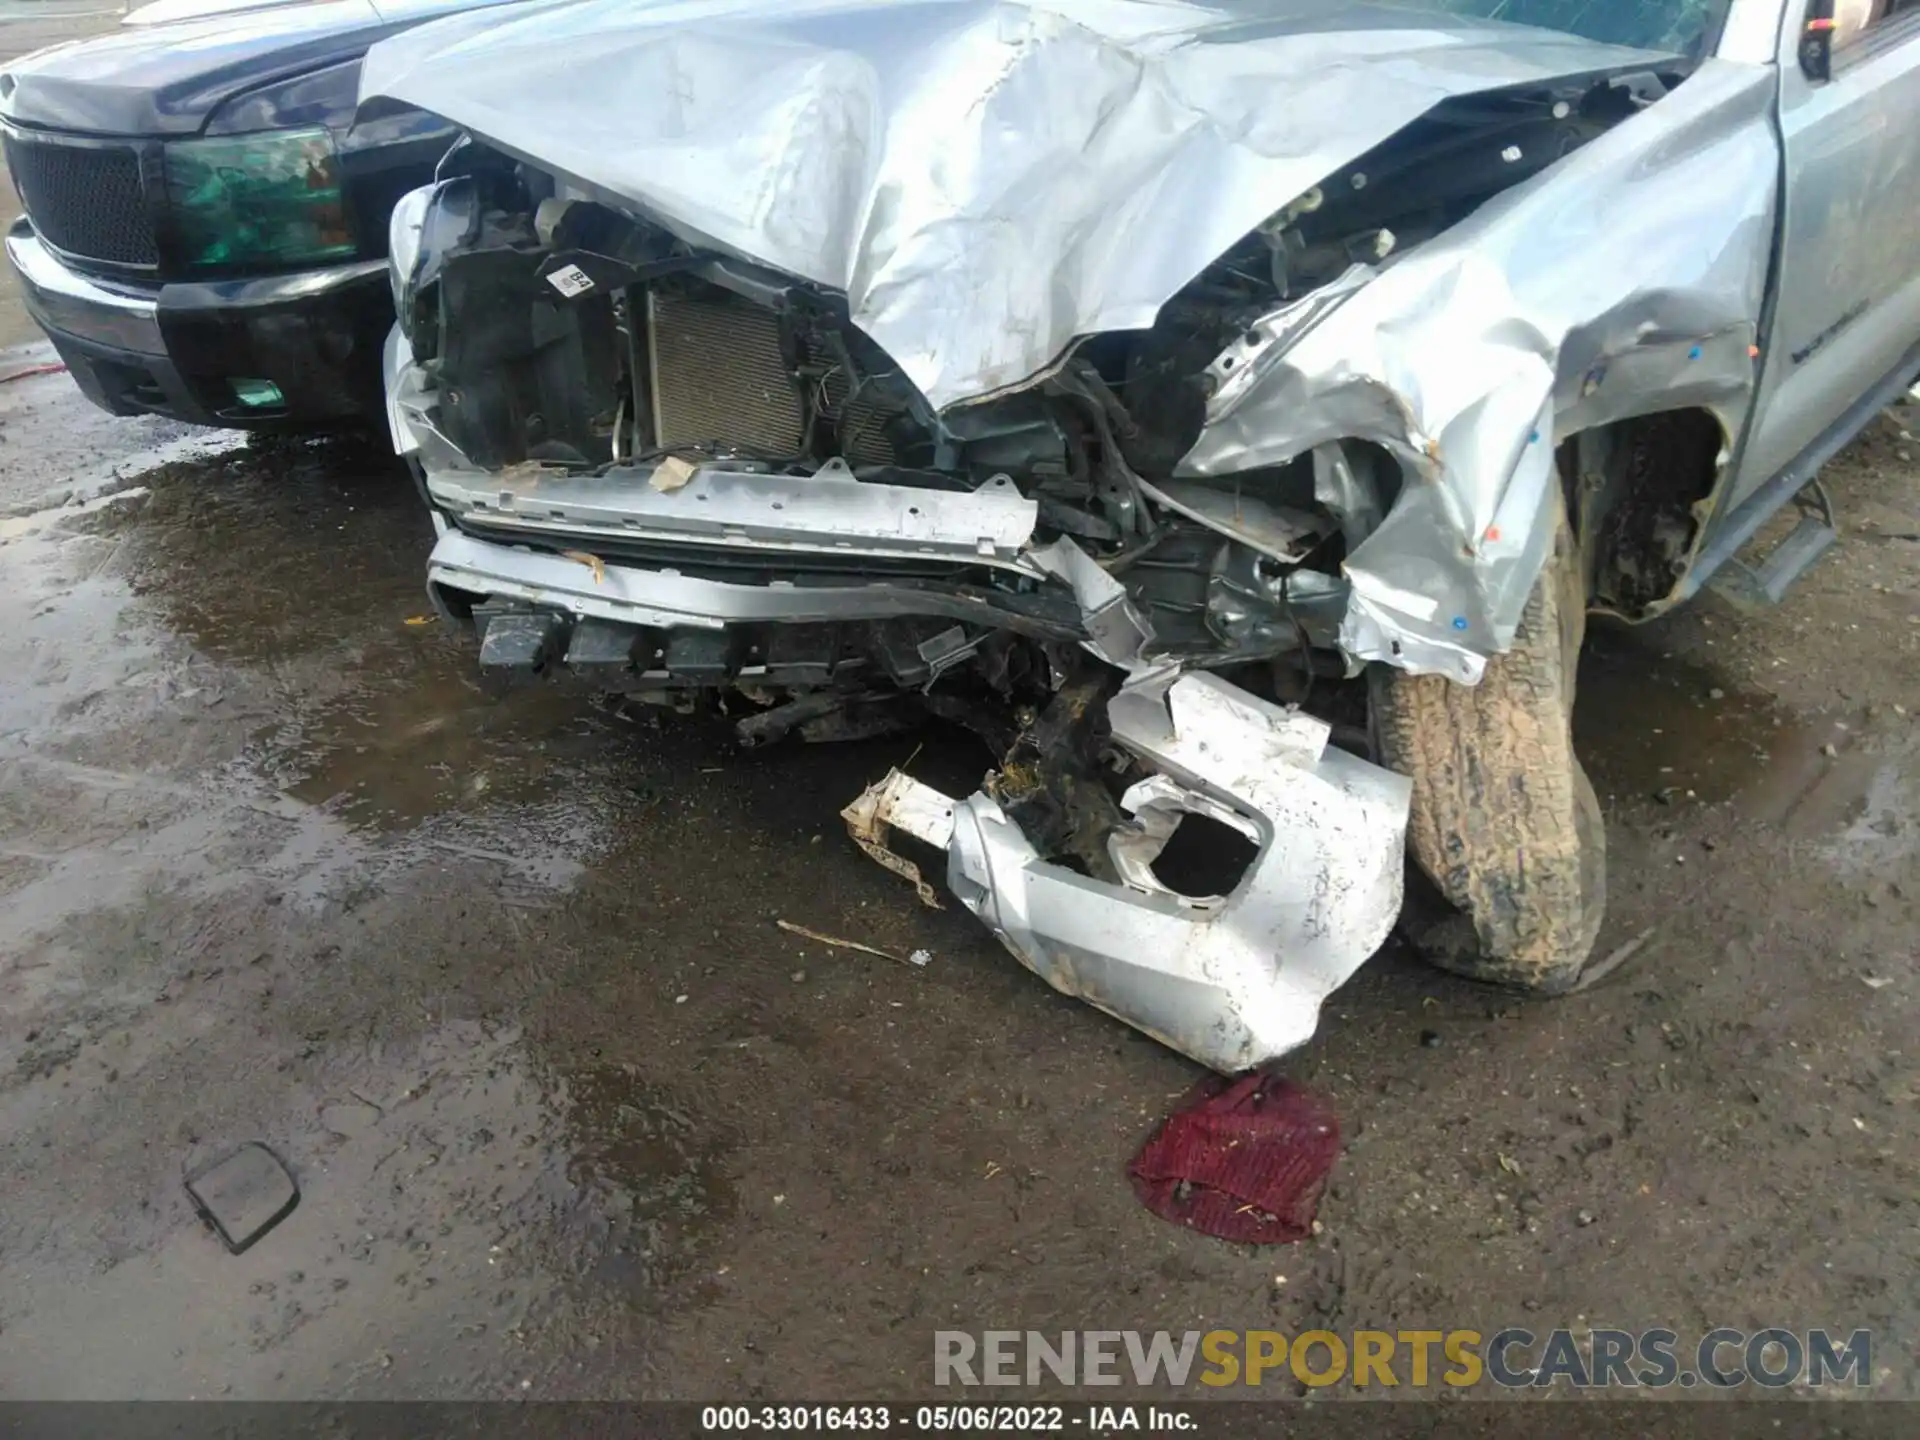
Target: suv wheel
[1504, 821]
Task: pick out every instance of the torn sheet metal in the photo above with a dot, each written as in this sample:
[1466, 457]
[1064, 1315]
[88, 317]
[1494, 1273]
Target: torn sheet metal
[668, 599]
[751, 510]
[900, 802]
[1116, 631]
[1233, 981]
[1626, 280]
[985, 180]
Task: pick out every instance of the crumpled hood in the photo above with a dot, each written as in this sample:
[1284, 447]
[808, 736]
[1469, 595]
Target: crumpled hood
[984, 181]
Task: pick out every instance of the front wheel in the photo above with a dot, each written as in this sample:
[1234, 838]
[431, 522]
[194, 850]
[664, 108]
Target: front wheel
[1504, 821]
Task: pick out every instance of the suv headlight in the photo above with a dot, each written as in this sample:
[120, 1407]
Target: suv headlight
[269, 198]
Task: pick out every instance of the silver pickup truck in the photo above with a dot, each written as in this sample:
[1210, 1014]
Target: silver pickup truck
[1229, 410]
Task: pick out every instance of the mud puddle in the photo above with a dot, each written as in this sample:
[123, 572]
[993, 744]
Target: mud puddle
[1653, 727]
[1656, 725]
[277, 868]
[460, 1201]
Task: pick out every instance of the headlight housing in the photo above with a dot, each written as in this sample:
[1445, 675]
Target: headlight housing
[272, 198]
[425, 226]
[403, 242]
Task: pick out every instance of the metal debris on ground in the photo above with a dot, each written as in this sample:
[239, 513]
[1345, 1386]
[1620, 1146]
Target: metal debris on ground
[1242, 1160]
[918, 957]
[243, 1194]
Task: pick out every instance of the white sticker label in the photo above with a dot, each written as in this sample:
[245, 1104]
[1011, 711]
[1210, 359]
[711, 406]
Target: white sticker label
[570, 280]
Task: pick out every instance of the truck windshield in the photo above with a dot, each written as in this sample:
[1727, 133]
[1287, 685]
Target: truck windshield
[1681, 27]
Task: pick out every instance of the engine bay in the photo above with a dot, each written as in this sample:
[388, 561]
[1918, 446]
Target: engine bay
[572, 341]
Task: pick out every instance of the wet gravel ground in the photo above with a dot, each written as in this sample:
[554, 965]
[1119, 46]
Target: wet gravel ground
[499, 976]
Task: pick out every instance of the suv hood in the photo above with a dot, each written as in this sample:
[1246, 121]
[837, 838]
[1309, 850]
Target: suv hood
[166, 78]
[984, 181]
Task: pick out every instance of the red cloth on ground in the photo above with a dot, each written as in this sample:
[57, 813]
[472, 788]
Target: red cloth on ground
[1242, 1159]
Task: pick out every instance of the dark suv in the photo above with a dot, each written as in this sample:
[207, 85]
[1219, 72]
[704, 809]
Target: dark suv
[206, 225]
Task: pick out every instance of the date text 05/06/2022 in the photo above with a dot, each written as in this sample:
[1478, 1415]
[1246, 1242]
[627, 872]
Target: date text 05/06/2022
[940, 1419]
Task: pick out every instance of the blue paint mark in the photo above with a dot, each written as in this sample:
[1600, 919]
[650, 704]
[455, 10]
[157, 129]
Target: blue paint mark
[1459, 622]
[1534, 438]
[1694, 353]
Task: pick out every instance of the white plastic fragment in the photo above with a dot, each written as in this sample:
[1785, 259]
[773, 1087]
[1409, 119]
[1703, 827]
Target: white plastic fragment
[671, 474]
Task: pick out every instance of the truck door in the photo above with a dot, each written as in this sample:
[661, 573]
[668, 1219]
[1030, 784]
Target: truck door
[1848, 307]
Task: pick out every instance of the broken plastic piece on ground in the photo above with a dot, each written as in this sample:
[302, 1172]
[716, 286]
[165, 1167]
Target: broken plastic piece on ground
[1242, 1160]
[1231, 981]
[243, 1194]
[899, 800]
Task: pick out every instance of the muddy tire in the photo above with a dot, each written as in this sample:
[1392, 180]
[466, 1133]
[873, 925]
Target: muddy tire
[1504, 821]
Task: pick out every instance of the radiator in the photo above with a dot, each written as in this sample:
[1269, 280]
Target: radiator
[719, 379]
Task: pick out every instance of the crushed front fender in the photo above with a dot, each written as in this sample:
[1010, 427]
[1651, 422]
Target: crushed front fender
[1231, 981]
[1625, 281]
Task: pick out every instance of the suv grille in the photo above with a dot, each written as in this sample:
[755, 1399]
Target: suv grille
[85, 199]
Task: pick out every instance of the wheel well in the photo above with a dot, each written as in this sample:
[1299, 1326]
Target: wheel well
[1639, 491]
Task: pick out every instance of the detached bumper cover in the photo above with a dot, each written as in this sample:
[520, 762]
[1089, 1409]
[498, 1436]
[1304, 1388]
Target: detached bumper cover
[1232, 981]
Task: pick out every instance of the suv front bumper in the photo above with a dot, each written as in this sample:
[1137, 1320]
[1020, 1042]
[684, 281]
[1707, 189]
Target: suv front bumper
[177, 349]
